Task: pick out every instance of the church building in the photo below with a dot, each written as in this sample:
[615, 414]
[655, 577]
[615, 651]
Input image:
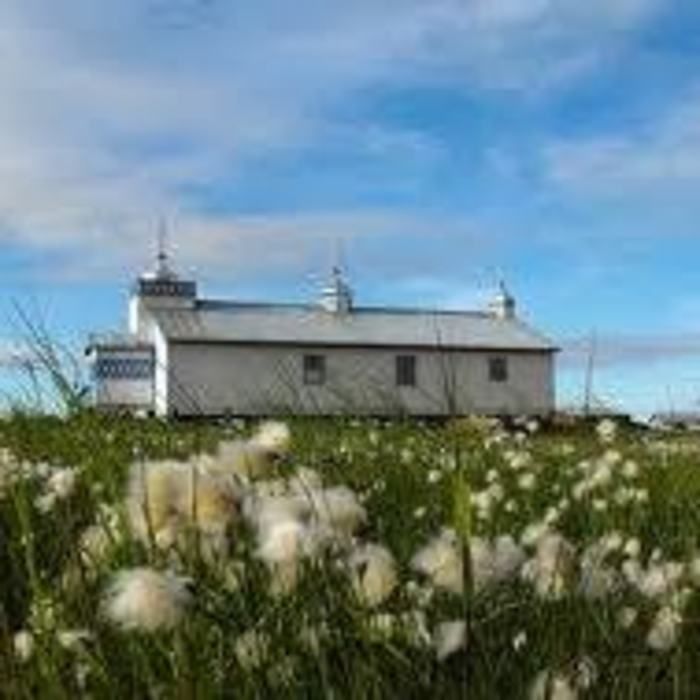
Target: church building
[188, 356]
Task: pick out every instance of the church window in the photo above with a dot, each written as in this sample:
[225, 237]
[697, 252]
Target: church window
[314, 369]
[405, 370]
[498, 369]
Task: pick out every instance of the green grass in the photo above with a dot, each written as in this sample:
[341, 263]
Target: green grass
[405, 473]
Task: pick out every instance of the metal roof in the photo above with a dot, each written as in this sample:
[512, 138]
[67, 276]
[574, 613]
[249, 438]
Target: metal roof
[230, 322]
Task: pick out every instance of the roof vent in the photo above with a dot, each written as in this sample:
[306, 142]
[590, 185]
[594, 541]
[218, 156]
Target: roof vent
[503, 304]
[336, 296]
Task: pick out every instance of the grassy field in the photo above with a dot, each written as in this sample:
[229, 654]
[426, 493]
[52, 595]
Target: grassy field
[140, 559]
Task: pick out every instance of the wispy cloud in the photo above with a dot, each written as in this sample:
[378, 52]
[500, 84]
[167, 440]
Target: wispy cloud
[112, 111]
[658, 156]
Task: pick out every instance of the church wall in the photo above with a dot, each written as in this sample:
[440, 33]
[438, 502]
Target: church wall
[215, 379]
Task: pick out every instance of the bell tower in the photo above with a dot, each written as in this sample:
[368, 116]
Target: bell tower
[159, 288]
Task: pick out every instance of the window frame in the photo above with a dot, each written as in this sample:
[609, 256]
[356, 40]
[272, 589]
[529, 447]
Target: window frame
[498, 369]
[313, 375]
[406, 370]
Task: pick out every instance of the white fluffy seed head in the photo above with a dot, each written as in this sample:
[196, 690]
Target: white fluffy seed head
[441, 560]
[145, 599]
[165, 497]
[273, 437]
[373, 573]
[449, 637]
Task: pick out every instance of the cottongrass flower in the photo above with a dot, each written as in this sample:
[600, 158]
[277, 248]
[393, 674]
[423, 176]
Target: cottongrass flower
[549, 685]
[374, 574]
[339, 510]
[533, 533]
[627, 616]
[449, 637]
[527, 481]
[73, 640]
[519, 641]
[441, 560]
[146, 600]
[433, 476]
[23, 643]
[598, 580]
[255, 457]
[665, 629]
[164, 498]
[551, 569]
[252, 650]
[606, 430]
[62, 482]
[494, 562]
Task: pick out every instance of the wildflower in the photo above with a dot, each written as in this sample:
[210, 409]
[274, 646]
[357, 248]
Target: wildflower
[551, 567]
[630, 469]
[552, 686]
[694, 571]
[252, 649]
[46, 502]
[419, 513]
[632, 548]
[165, 497]
[494, 563]
[94, 544]
[599, 504]
[304, 481]
[665, 630]
[145, 599]
[339, 510]
[73, 640]
[585, 673]
[374, 574]
[518, 459]
[62, 482]
[520, 640]
[254, 457]
[627, 617]
[23, 642]
[660, 580]
[433, 476]
[606, 430]
[441, 560]
[284, 541]
[527, 482]
[449, 638]
[533, 533]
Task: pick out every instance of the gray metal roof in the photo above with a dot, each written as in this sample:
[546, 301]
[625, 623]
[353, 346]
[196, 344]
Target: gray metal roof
[212, 321]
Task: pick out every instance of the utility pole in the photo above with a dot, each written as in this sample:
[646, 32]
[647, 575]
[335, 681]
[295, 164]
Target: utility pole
[590, 367]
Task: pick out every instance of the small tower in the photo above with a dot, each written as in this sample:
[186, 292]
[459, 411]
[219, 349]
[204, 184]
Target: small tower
[336, 296]
[159, 288]
[503, 304]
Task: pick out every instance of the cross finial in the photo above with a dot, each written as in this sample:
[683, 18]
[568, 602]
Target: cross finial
[162, 246]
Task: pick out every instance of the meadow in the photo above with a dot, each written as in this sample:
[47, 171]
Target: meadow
[346, 559]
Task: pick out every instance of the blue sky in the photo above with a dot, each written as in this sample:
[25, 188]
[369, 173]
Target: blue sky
[440, 143]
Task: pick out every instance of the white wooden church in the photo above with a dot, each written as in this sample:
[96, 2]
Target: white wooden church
[187, 356]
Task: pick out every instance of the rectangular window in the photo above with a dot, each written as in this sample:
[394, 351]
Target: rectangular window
[314, 369]
[498, 369]
[123, 368]
[405, 370]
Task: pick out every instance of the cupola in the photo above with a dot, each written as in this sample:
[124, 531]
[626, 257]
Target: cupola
[503, 303]
[336, 296]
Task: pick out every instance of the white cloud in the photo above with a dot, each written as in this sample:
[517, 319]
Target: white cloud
[660, 156]
[110, 110]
